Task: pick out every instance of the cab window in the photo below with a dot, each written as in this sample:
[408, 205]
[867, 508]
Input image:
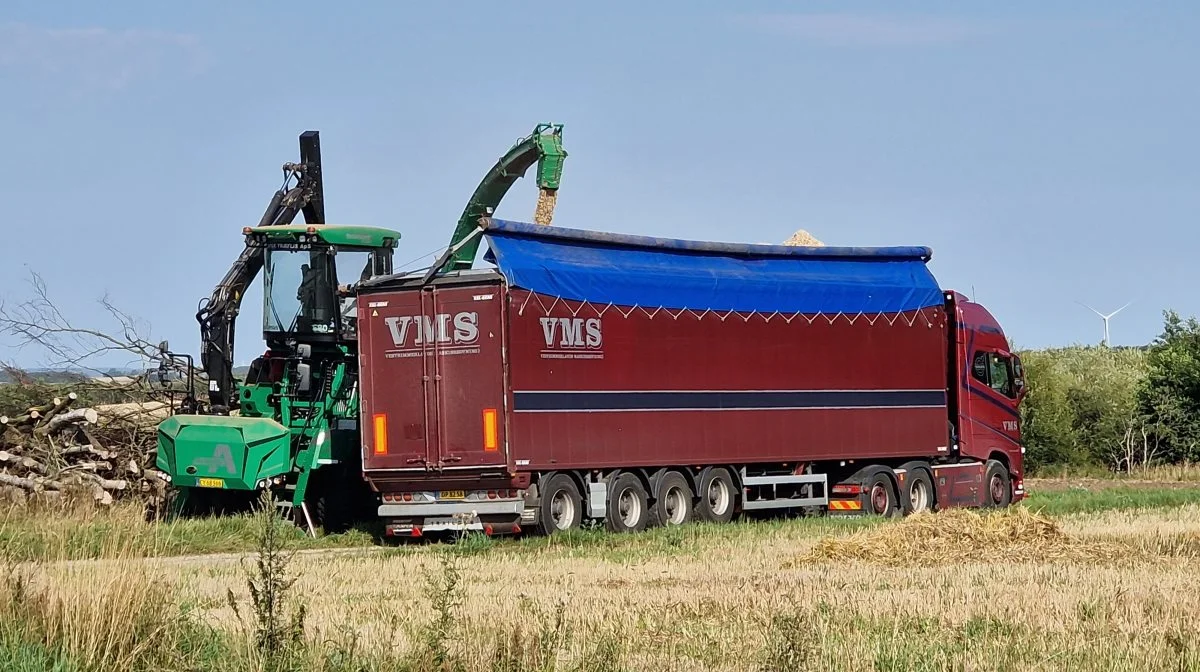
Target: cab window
[995, 371]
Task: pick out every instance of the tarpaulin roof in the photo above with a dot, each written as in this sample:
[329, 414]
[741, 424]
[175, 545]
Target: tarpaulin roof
[624, 270]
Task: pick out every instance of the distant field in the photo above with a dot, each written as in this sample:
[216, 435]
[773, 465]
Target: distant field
[1108, 581]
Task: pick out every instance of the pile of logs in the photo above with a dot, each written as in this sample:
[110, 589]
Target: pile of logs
[103, 453]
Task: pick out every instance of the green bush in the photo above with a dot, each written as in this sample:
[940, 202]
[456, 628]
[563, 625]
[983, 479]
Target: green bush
[1082, 404]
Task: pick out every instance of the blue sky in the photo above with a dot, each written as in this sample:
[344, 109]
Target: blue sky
[1047, 154]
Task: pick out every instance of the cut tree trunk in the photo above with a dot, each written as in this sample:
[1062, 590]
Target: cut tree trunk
[75, 417]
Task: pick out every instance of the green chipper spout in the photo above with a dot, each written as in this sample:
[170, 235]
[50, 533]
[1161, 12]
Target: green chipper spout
[544, 147]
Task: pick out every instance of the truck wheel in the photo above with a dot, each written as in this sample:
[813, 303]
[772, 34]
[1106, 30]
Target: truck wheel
[881, 494]
[716, 496]
[628, 505]
[998, 491]
[561, 508]
[918, 491]
[672, 501]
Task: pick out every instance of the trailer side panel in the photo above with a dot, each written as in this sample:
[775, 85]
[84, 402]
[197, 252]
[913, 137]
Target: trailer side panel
[595, 388]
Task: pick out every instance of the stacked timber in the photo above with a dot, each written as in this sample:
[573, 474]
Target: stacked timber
[103, 453]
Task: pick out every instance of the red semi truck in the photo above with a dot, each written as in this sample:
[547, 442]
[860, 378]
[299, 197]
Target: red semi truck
[641, 381]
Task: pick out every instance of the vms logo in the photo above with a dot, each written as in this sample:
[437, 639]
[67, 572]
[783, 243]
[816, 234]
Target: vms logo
[456, 334]
[572, 338]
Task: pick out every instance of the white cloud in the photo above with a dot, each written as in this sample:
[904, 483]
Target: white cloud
[866, 30]
[96, 58]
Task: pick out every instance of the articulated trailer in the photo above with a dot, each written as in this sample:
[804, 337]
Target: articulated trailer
[641, 381]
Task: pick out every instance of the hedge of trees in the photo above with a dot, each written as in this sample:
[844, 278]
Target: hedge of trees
[1121, 408]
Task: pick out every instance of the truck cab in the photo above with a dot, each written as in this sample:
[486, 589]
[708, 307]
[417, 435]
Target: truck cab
[987, 385]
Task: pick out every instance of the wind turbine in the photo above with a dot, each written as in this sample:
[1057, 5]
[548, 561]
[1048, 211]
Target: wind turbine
[1106, 318]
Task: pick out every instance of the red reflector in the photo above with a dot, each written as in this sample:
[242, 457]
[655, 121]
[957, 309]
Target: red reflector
[516, 528]
[416, 531]
[491, 430]
[380, 434]
[847, 489]
[487, 529]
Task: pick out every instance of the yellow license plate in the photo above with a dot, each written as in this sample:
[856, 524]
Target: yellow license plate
[452, 494]
[211, 482]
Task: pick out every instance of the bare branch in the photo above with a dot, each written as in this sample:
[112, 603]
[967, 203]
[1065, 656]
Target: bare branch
[38, 323]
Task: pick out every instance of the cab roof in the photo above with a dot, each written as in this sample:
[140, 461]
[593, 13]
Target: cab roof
[333, 234]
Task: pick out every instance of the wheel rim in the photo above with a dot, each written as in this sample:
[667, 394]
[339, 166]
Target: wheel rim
[629, 507]
[562, 510]
[718, 497]
[997, 488]
[879, 498]
[675, 504]
[918, 494]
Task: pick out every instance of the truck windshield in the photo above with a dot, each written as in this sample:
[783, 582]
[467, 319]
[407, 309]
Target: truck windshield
[297, 292]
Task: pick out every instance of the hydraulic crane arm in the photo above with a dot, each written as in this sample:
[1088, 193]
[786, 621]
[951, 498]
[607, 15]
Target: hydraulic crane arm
[544, 147]
[218, 313]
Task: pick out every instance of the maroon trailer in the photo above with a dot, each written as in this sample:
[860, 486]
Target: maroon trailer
[644, 381]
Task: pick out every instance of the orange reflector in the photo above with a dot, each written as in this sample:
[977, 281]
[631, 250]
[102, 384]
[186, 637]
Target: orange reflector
[845, 504]
[381, 434]
[491, 440]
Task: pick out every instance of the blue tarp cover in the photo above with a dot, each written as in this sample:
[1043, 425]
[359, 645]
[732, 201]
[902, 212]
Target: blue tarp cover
[605, 268]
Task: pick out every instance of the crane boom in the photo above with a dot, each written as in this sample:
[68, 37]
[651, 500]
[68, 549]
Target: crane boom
[544, 147]
[218, 313]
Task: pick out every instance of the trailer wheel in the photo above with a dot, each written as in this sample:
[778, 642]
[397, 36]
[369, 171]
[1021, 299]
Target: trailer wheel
[672, 501]
[999, 485]
[628, 504]
[881, 494]
[561, 506]
[717, 496]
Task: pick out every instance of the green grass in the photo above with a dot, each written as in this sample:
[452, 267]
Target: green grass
[1080, 500]
[36, 535]
[72, 535]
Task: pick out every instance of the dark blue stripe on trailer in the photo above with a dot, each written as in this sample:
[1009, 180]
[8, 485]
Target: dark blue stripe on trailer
[545, 402]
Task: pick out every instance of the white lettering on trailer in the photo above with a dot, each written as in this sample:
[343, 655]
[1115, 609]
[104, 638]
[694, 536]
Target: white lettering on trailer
[572, 338]
[410, 332]
[1010, 425]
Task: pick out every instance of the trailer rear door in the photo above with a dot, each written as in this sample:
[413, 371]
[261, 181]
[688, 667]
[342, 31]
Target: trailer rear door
[433, 379]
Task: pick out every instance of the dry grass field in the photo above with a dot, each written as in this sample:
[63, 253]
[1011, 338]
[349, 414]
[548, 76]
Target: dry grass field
[1093, 575]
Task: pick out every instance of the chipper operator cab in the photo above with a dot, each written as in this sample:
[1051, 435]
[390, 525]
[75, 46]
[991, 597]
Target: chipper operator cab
[292, 425]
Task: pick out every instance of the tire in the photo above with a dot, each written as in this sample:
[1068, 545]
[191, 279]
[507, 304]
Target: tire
[560, 508]
[673, 499]
[331, 500]
[717, 496]
[332, 512]
[628, 504]
[919, 494]
[881, 495]
[997, 486]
